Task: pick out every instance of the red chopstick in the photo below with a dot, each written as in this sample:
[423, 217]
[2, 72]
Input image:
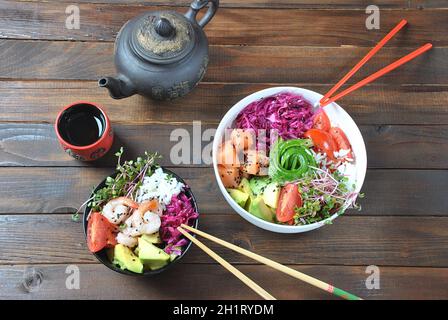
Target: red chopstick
[367, 57]
[380, 73]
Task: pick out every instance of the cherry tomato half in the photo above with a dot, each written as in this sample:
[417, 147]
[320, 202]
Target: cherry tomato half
[321, 121]
[289, 199]
[323, 141]
[100, 233]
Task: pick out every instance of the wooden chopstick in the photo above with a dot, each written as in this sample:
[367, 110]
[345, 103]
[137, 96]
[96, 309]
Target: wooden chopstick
[246, 280]
[289, 271]
[364, 60]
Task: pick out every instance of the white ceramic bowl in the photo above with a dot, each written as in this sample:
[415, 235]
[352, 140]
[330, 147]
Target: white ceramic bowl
[338, 117]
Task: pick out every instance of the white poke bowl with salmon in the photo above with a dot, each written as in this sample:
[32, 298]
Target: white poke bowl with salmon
[287, 165]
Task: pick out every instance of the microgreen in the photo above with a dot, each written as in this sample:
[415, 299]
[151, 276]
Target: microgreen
[324, 191]
[126, 182]
[75, 217]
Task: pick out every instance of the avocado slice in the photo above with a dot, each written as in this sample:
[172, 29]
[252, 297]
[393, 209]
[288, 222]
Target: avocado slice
[239, 196]
[248, 202]
[259, 209]
[259, 184]
[126, 259]
[154, 265]
[245, 187]
[152, 238]
[152, 256]
[271, 194]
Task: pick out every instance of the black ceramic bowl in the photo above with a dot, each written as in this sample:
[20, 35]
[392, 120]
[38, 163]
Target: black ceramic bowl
[102, 255]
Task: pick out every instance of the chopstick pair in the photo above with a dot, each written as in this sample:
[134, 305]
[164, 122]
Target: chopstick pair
[275, 265]
[327, 100]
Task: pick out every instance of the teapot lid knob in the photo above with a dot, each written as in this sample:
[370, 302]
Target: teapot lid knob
[163, 37]
[164, 28]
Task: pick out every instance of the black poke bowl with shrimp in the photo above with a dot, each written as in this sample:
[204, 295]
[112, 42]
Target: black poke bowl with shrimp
[131, 218]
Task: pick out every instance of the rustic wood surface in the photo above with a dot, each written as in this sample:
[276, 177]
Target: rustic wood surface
[254, 44]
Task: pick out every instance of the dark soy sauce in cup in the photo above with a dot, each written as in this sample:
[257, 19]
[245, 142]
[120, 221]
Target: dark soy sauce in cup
[82, 125]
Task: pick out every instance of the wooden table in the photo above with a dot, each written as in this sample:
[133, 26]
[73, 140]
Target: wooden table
[254, 44]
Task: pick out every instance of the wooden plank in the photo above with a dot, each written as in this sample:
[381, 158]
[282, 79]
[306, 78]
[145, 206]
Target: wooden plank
[385, 241]
[199, 282]
[65, 189]
[425, 4]
[404, 192]
[36, 144]
[89, 61]
[30, 144]
[388, 192]
[293, 27]
[323, 65]
[415, 144]
[309, 4]
[41, 101]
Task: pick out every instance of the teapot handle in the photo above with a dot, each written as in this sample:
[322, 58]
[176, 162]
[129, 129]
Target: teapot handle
[197, 5]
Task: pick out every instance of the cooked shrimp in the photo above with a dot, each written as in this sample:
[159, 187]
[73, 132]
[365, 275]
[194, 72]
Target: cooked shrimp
[116, 210]
[126, 240]
[150, 205]
[144, 220]
[134, 225]
[151, 223]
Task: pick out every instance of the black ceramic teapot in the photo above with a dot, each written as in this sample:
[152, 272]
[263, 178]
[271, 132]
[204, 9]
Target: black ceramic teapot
[161, 54]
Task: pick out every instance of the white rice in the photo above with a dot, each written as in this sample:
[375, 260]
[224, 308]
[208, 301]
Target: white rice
[160, 186]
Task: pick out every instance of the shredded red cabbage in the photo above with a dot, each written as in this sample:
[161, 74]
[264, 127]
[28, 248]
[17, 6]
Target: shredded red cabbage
[178, 211]
[290, 115]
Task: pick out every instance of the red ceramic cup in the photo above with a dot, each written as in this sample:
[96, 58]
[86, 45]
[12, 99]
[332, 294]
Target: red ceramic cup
[84, 130]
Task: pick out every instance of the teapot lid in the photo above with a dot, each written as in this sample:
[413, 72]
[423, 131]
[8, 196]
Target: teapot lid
[163, 37]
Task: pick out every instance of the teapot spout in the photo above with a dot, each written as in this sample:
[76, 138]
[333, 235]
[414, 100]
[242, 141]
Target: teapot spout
[119, 87]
